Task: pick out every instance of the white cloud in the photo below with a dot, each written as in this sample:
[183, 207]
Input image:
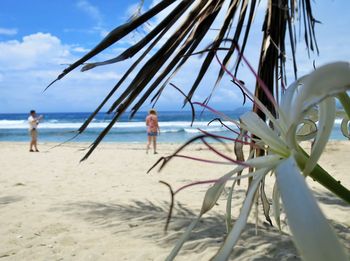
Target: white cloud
[90, 10]
[80, 49]
[94, 13]
[103, 32]
[132, 9]
[33, 51]
[28, 65]
[8, 31]
[224, 94]
[95, 76]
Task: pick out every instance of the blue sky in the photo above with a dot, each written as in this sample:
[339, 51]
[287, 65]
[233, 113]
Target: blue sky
[38, 37]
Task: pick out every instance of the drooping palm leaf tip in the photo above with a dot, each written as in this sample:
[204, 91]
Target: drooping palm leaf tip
[182, 31]
[279, 18]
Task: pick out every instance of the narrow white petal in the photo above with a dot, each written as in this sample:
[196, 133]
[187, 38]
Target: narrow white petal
[345, 127]
[258, 127]
[239, 225]
[276, 205]
[288, 98]
[229, 208]
[267, 161]
[325, 126]
[312, 234]
[212, 195]
[307, 131]
[328, 80]
[182, 239]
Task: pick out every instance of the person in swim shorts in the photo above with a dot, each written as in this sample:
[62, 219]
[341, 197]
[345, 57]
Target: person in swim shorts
[152, 130]
[33, 122]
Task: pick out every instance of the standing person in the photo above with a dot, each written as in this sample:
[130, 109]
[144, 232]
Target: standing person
[33, 121]
[152, 129]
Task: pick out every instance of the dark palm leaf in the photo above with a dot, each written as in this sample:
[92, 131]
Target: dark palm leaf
[160, 62]
[117, 34]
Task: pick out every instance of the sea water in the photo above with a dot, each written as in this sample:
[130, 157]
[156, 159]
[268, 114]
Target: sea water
[175, 127]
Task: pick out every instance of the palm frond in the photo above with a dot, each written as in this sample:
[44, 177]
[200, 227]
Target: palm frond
[115, 35]
[182, 32]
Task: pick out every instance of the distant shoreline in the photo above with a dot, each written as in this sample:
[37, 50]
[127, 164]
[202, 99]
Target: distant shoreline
[175, 127]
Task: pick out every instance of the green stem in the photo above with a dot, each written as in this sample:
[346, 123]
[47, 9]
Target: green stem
[321, 176]
[345, 102]
[325, 179]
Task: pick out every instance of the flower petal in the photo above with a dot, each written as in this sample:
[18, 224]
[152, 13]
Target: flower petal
[325, 126]
[312, 234]
[236, 231]
[267, 161]
[328, 80]
[288, 98]
[182, 239]
[345, 127]
[259, 128]
[212, 195]
[276, 205]
[307, 130]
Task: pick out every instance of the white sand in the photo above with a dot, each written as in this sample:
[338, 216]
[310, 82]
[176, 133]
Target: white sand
[108, 208]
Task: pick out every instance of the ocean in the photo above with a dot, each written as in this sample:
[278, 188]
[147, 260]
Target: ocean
[175, 127]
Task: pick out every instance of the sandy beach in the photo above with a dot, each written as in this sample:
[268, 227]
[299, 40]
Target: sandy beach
[108, 208]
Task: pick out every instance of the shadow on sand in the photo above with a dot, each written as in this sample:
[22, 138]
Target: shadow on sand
[329, 198]
[6, 200]
[148, 219]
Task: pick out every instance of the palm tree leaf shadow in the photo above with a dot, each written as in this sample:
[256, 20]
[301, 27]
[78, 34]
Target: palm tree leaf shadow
[328, 198]
[343, 230]
[148, 219]
[6, 200]
[145, 214]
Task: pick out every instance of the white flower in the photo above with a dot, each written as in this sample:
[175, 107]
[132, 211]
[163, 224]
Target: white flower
[312, 235]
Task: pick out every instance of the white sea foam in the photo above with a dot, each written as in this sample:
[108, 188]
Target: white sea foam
[338, 121]
[13, 124]
[169, 126]
[194, 130]
[172, 130]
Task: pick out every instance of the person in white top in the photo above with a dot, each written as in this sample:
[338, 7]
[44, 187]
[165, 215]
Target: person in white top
[33, 121]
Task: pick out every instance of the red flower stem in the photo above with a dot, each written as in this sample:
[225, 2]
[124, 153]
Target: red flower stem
[226, 138]
[204, 160]
[216, 112]
[260, 81]
[223, 155]
[196, 183]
